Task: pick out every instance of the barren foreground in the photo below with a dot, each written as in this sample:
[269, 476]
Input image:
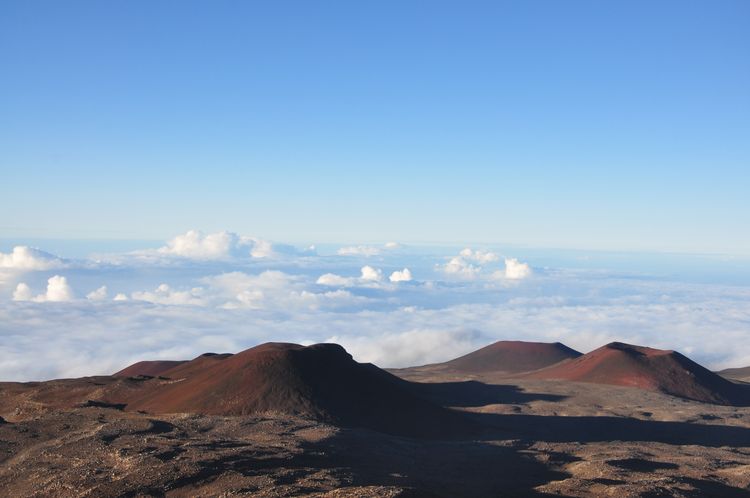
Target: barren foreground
[537, 438]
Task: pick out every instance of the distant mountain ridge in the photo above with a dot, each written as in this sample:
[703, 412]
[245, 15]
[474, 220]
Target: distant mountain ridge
[646, 368]
[510, 357]
[742, 373]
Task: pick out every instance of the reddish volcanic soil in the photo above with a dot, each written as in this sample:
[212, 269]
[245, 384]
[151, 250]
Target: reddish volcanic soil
[320, 381]
[150, 368]
[646, 368]
[512, 357]
[287, 420]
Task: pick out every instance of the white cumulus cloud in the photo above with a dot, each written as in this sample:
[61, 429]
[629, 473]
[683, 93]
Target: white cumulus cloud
[58, 290]
[479, 256]
[22, 292]
[371, 274]
[99, 294]
[29, 258]
[400, 276]
[470, 265]
[194, 244]
[368, 276]
[515, 270]
[460, 267]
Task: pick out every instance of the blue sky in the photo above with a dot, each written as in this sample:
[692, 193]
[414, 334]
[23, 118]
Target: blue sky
[603, 125]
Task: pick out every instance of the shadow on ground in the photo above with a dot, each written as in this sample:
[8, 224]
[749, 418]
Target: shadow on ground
[360, 457]
[573, 428]
[473, 393]
[594, 429]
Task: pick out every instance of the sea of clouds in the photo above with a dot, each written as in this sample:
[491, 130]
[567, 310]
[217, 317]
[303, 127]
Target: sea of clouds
[389, 304]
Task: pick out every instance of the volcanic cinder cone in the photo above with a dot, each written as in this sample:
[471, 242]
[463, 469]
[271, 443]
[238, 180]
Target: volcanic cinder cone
[149, 368]
[321, 381]
[742, 374]
[510, 357]
[647, 368]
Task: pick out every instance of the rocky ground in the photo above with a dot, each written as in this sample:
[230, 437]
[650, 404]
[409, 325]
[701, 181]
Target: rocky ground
[538, 438]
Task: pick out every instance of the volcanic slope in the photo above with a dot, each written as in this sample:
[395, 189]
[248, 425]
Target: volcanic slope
[150, 368]
[652, 369]
[321, 381]
[742, 374]
[508, 357]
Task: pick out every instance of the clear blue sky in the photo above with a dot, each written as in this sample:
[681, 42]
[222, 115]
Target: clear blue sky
[619, 125]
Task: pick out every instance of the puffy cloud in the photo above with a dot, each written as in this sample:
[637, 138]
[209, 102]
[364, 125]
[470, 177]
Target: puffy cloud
[459, 267]
[470, 264]
[392, 245]
[479, 256]
[515, 270]
[99, 294]
[400, 276]
[194, 244]
[120, 297]
[22, 292]
[29, 258]
[57, 290]
[371, 274]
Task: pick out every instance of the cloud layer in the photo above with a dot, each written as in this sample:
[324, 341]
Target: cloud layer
[402, 308]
